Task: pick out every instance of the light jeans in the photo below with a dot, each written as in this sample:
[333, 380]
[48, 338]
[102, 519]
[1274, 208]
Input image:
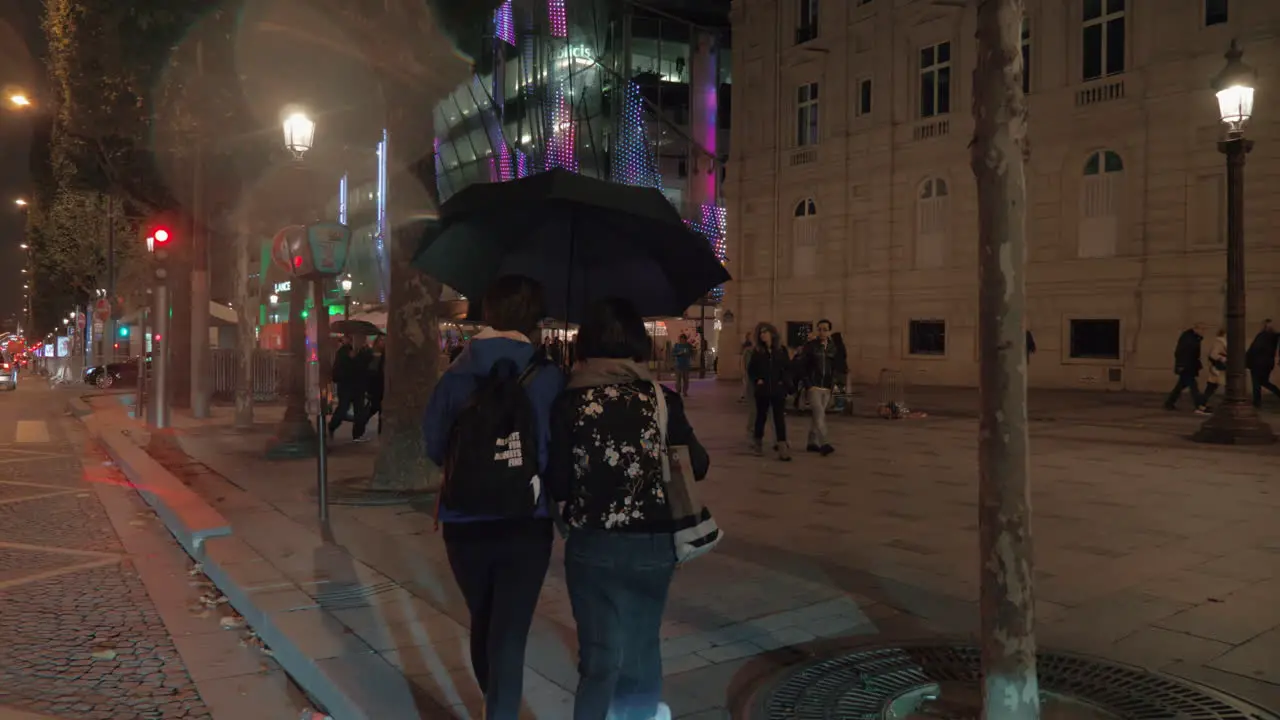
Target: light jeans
[819, 398]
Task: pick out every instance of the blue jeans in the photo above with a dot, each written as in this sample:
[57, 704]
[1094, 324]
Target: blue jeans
[618, 585]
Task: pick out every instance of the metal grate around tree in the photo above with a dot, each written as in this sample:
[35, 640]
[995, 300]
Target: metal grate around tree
[864, 684]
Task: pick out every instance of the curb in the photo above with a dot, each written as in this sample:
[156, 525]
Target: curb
[357, 685]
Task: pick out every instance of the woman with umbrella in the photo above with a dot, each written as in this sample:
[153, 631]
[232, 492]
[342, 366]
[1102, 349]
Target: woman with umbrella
[606, 462]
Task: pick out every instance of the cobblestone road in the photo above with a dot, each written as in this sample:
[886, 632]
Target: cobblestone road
[80, 638]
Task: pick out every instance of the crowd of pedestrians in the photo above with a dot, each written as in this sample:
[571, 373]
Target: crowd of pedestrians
[1189, 360]
[359, 379]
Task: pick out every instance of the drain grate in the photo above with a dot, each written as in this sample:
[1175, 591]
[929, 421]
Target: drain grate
[344, 596]
[861, 685]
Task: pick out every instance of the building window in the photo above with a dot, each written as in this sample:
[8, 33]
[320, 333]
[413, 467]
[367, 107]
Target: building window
[1215, 12]
[804, 239]
[1095, 339]
[807, 115]
[932, 209]
[864, 98]
[927, 337]
[1026, 55]
[807, 27]
[1102, 45]
[935, 80]
[1100, 194]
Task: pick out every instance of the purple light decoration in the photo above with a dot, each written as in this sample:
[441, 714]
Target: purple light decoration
[633, 162]
[712, 223]
[504, 161]
[560, 151]
[559, 19]
[522, 164]
[504, 25]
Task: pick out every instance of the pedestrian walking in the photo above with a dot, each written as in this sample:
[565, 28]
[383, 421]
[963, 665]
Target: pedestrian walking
[488, 426]
[1261, 361]
[682, 351]
[606, 462]
[351, 375]
[1031, 346]
[1217, 366]
[771, 381]
[818, 366]
[1186, 365]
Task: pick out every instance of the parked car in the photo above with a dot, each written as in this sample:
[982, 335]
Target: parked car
[124, 372]
[8, 371]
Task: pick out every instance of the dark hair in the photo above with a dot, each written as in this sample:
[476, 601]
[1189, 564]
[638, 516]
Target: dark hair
[514, 303]
[613, 328]
[775, 341]
[822, 322]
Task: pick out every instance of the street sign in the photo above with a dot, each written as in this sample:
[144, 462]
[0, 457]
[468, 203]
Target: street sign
[102, 310]
[79, 321]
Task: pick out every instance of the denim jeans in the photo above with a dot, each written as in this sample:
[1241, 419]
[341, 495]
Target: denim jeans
[618, 585]
[500, 574]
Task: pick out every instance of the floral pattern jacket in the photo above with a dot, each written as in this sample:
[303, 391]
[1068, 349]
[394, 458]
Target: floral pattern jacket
[605, 460]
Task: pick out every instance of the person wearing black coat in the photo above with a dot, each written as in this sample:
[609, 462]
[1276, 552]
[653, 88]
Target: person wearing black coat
[1186, 365]
[1261, 361]
[770, 374]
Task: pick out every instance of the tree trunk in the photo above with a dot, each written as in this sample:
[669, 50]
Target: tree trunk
[246, 321]
[413, 344]
[1010, 688]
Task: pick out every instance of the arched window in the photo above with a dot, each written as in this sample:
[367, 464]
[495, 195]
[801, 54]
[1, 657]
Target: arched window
[804, 239]
[1100, 195]
[932, 211]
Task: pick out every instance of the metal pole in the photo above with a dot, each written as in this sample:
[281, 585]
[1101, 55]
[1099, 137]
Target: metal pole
[109, 327]
[1235, 422]
[322, 460]
[199, 274]
[159, 416]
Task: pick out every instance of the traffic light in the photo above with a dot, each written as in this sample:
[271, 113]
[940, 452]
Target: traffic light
[123, 331]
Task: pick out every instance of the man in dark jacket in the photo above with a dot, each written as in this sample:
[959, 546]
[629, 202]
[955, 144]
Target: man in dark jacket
[1186, 365]
[1261, 360]
[819, 366]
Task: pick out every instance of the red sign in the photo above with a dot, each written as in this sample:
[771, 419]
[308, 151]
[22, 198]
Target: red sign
[102, 310]
[79, 321]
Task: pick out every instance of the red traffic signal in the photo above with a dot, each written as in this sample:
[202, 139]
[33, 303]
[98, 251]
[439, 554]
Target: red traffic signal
[161, 235]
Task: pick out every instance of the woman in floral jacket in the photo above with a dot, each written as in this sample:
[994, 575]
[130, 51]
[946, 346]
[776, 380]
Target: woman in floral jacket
[619, 559]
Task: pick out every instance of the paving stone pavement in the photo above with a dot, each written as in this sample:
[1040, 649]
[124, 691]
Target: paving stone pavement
[1150, 551]
[95, 598]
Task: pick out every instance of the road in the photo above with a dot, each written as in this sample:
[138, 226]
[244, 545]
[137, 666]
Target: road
[99, 615]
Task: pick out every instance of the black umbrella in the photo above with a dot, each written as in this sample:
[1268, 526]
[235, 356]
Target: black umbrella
[354, 327]
[582, 238]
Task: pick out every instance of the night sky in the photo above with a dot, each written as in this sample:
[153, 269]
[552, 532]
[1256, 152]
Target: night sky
[20, 68]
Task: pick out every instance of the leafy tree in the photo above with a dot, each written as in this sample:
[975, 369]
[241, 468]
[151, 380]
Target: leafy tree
[414, 49]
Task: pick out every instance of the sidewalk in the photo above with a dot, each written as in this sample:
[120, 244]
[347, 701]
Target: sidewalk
[1151, 551]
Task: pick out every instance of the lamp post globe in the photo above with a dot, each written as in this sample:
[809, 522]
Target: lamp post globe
[299, 133]
[1235, 420]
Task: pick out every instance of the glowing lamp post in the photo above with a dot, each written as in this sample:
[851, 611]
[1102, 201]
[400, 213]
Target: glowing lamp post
[346, 298]
[299, 133]
[1235, 422]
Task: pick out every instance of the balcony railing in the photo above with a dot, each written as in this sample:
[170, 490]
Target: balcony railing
[1099, 92]
[803, 156]
[931, 128]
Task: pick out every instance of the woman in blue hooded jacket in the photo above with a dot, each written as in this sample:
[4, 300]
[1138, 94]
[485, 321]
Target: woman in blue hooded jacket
[498, 562]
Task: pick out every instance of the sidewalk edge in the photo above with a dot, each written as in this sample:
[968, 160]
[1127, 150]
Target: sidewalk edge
[339, 684]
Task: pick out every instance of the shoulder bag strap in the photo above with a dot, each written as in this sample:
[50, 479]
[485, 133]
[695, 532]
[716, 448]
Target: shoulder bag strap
[660, 402]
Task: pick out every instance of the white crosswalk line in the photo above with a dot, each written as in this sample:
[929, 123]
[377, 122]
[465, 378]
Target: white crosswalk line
[32, 431]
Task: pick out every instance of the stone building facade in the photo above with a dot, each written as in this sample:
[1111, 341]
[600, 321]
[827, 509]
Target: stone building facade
[850, 195]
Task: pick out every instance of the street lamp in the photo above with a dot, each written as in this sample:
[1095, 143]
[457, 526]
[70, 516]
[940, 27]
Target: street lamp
[1235, 421]
[299, 133]
[24, 246]
[346, 296]
[19, 100]
[20, 202]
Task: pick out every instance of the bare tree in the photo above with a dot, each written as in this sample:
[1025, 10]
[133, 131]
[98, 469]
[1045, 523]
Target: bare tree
[246, 320]
[997, 156]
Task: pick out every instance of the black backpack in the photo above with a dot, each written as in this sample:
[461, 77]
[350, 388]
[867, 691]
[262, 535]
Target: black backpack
[492, 460]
